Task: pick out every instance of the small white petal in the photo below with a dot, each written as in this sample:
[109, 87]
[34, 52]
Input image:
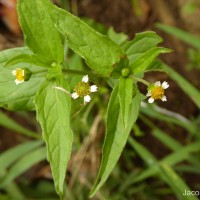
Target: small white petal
[87, 98]
[157, 83]
[148, 94]
[93, 88]
[22, 72]
[165, 85]
[151, 100]
[85, 79]
[75, 95]
[13, 72]
[18, 82]
[164, 98]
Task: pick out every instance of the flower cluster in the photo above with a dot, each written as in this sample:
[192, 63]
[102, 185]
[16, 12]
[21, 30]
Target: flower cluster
[157, 91]
[21, 75]
[83, 89]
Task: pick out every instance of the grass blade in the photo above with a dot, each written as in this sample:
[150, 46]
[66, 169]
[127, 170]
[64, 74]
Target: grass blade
[188, 88]
[180, 34]
[176, 183]
[23, 165]
[9, 123]
[12, 155]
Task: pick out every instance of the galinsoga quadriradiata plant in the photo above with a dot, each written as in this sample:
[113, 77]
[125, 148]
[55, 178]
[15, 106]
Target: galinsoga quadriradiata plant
[38, 77]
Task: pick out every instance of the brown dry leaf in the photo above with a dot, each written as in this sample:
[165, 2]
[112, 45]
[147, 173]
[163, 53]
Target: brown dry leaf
[9, 15]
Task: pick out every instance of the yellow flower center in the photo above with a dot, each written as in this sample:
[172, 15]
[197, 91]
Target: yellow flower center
[82, 89]
[157, 92]
[19, 75]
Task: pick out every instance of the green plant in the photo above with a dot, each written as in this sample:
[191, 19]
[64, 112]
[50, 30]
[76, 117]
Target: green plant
[45, 74]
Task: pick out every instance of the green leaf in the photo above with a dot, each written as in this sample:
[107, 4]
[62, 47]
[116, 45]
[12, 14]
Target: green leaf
[13, 154]
[181, 154]
[155, 65]
[53, 113]
[147, 157]
[99, 51]
[125, 98]
[169, 117]
[186, 86]
[171, 160]
[14, 192]
[23, 164]
[173, 144]
[41, 36]
[9, 54]
[142, 62]
[25, 58]
[141, 43]
[181, 34]
[118, 38]
[167, 140]
[154, 166]
[9, 123]
[176, 183]
[116, 136]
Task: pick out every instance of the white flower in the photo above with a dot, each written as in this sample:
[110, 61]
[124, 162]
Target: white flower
[157, 91]
[85, 79]
[93, 88]
[87, 98]
[75, 95]
[19, 75]
[83, 89]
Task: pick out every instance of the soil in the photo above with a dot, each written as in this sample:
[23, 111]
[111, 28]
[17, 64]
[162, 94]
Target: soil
[124, 17]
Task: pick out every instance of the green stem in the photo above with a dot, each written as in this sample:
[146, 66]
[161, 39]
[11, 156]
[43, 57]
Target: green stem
[141, 80]
[67, 71]
[71, 71]
[39, 72]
